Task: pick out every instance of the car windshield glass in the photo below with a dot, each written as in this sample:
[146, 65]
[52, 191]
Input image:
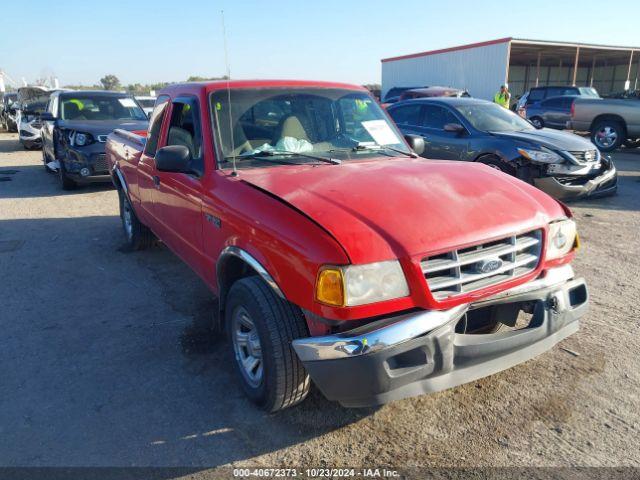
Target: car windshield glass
[100, 107]
[489, 117]
[146, 102]
[35, 103]
[589, 92]
[322, 122]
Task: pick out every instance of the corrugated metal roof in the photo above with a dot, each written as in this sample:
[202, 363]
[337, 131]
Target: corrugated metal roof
[518, 41]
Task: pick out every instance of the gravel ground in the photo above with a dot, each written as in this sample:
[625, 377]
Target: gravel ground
[104, 360]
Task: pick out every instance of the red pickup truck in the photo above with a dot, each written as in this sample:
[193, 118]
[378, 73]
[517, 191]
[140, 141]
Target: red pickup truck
[336, 253]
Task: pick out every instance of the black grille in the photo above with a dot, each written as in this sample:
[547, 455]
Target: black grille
[101, 165]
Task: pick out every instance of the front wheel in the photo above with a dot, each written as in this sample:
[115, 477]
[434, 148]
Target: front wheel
[498, 164]
[608, 135]
[65, 182]
[537, 122]
[261, 326]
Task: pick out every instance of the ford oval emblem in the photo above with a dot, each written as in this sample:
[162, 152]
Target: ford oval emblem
[488, 265]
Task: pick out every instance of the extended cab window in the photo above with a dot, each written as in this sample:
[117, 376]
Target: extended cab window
[184, 129]
[155, 125]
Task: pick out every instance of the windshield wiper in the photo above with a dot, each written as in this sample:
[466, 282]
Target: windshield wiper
[277, 153]
[361, 147]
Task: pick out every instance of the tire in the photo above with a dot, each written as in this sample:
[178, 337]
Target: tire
[608, 135]
[278, 380]
[537, 122]
[66, 182]
[499, 164]
[137, 235]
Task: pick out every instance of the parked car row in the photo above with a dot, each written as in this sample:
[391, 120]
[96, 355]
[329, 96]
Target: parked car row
[8, 112]
[71, 127]
[340, 256]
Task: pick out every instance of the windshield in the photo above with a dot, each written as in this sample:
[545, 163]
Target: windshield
[319, 121]
[490, 117]
[146, 102]
[100, 107]
[35, 103]
[589, 92]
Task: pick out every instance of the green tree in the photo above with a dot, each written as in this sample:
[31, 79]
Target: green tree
[110, 82]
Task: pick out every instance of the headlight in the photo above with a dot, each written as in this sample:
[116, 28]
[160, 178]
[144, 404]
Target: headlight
[361, 284]
[563, 237]
[541, 156]
[80, 139]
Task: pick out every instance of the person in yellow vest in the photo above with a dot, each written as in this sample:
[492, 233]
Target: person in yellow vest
[503, 97]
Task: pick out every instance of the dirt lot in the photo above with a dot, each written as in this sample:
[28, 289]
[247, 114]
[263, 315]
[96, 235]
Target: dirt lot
[104, 361]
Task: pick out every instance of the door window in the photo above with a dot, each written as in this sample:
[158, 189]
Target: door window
[552, 103]
[408, 115]
[155, 125]
[535, 95]
[184, 129]
[436, 117]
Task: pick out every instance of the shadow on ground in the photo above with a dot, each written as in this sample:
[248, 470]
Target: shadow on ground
[109, 360]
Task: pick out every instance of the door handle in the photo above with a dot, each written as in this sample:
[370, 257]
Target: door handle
[156, 181]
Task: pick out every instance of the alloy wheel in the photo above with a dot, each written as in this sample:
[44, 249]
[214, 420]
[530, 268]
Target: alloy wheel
[606, 137]
[247, 347]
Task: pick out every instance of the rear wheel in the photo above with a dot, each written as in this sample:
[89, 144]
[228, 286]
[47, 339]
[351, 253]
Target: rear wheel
[138, 236]
[608, 135]
[261, 326]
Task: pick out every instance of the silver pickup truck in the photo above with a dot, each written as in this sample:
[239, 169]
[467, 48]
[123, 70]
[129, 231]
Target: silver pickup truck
[611, 122]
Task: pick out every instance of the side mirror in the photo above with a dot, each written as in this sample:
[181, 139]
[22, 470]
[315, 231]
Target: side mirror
[454, 127]
[173, 158]
[149, 114]
[416, 142]
[47, 117]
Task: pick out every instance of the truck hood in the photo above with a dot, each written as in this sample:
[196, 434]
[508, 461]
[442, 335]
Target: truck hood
[549, 138]
[103, 127]
[395, 208]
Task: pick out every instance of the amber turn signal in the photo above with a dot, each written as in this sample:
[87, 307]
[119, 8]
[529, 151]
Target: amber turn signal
[330, 287]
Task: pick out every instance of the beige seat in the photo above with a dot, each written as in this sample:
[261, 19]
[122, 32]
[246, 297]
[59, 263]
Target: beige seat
[292, 127]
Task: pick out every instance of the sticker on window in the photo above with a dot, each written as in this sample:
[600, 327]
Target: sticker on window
[381, 132]
[127, 102]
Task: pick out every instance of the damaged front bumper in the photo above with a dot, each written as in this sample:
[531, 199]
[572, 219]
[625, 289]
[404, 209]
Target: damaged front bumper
[573, 185]
[87, 164]
[423, 352]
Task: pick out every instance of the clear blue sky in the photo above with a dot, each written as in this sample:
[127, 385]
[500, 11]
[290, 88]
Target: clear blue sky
[149, 41]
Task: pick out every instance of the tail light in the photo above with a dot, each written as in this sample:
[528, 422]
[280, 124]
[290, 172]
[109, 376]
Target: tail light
[572, 112]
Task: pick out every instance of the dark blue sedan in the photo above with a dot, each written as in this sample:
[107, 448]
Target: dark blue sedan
[552, 112]
[560, 163]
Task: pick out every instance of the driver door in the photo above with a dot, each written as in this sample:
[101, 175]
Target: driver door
[177, 197]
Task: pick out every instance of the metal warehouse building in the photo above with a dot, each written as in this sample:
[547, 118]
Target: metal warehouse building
[482, 67]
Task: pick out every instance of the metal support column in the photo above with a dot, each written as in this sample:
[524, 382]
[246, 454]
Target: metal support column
[575, 67]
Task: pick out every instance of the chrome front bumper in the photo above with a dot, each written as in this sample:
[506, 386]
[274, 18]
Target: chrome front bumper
[421, 352]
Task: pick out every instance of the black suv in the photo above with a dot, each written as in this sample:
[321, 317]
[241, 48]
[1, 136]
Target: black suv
[75, 128]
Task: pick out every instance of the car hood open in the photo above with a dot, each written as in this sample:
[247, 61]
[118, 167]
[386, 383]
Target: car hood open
[394, 208]
[549, 138]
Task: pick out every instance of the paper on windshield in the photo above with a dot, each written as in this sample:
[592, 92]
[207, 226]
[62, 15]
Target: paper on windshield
[381, 132]
[127, 102]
